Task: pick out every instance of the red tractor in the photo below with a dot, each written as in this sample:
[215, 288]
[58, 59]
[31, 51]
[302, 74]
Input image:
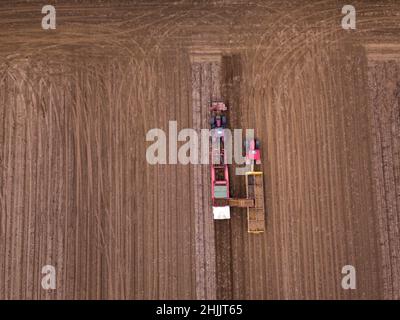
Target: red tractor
[219, 166]
[252, 149]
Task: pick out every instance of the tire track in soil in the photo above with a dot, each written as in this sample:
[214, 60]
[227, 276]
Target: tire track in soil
[205, 88]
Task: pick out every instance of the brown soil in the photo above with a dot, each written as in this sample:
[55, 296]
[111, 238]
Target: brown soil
[76, 191]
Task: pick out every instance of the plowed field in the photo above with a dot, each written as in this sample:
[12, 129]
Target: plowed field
[77, 193]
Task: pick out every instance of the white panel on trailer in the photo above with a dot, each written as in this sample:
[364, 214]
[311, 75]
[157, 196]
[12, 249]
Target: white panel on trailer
[221, 213]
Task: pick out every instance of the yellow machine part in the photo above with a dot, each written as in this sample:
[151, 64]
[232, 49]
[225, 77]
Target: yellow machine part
[255, 190]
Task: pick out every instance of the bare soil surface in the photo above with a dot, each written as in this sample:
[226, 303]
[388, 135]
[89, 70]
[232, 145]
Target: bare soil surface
[77, 192]
[384, 84]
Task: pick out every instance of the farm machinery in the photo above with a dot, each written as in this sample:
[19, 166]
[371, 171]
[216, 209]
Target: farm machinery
[220, 194]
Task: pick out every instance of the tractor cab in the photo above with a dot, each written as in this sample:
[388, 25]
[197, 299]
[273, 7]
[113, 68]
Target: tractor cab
[218, 121]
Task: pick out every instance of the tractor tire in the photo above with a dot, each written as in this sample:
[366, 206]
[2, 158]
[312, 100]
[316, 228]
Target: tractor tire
[212, 122]
[223, 120]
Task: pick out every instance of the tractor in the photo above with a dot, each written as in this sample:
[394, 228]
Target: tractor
[219, 166]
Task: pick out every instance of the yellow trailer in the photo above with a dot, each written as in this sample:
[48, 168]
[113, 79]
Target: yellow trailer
[255, 213]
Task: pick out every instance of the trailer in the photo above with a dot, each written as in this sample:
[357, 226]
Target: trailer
[256, 212]
[254, 188]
